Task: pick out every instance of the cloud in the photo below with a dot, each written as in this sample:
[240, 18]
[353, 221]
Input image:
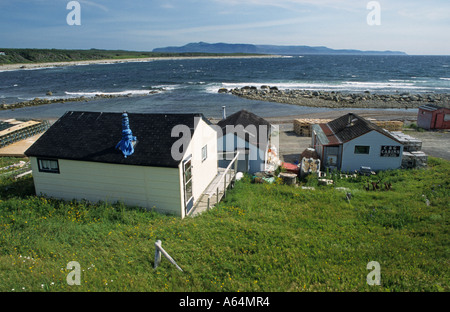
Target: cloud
[167, 5]
[293, 4]
[94, 4]
[228, 27]
[430, 14]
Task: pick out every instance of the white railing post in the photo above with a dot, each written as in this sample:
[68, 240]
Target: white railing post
[225, 185]
[233, 164]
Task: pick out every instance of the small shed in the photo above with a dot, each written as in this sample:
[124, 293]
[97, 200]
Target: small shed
[156, 161]
[350, 142]
[247, 133]
[431, 116]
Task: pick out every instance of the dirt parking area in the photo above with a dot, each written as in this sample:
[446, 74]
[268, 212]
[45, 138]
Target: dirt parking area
[291, 144]
[434, 143]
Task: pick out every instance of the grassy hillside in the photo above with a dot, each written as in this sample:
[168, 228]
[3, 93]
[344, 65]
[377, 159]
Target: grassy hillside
[261, 238]
[18, 56]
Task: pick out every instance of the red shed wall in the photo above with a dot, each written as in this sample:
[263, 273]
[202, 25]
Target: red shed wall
[442, 119]
[424, 119]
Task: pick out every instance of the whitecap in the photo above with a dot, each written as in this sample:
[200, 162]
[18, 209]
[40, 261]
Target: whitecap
[101, 93]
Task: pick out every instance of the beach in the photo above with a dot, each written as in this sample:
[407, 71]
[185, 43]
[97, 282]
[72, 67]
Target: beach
[28, 66]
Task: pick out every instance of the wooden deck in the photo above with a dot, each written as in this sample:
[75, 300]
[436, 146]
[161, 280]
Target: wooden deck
[18, 149]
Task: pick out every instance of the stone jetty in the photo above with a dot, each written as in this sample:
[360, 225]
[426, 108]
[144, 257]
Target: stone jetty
[337, 99]
[44, 101]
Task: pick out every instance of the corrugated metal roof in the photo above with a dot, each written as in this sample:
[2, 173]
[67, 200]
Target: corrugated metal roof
[347, 128]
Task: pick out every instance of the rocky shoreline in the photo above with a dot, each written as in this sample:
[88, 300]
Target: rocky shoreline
[337, 99]
[39, 101]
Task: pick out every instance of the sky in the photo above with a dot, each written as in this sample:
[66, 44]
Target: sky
[417, 27]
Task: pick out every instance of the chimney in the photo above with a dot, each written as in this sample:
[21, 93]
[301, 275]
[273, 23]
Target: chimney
[351, 119]
[126, 145]
[224, 114]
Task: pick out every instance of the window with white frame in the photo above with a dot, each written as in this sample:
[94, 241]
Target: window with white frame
[48, 165]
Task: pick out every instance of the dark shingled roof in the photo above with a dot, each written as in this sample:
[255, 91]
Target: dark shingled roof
[244, 118]
[351, 126]
[93, 136]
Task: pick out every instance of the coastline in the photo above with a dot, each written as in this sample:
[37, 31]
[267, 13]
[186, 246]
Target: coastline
[28, 66]
[338, 99]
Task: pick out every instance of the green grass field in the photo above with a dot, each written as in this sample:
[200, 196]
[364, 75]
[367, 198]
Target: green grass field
[263, 237]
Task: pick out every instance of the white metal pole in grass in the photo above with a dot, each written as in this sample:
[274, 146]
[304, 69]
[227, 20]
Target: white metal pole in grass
[158, 251]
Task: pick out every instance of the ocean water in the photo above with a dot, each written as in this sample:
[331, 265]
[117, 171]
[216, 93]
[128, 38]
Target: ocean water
[191, 85]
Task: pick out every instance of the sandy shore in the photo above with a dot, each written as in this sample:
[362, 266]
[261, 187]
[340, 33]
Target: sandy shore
[117, 61]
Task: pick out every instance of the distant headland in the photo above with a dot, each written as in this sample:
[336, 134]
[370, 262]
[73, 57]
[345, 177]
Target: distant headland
[204, 47]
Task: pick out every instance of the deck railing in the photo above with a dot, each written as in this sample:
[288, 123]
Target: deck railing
[231, 172]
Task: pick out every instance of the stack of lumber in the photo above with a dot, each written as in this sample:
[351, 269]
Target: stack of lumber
[302, 127]
[390, 125]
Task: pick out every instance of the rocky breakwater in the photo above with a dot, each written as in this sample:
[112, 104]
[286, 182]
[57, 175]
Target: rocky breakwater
[337, 99]
[44, 101]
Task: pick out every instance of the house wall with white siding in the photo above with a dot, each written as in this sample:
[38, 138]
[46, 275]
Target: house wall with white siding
[203, 171]
[148, 187]
[158, 188]
[374, 139]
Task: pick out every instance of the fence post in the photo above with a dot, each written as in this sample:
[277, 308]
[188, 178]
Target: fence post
[157, 254]
[158, 251]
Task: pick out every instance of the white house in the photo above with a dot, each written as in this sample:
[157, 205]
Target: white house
[156, 161]
[350, 141]
[247, 133]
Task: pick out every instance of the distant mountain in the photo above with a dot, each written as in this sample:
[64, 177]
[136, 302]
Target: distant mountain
[204, 47]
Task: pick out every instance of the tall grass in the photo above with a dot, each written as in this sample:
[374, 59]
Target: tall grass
[262, 237]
